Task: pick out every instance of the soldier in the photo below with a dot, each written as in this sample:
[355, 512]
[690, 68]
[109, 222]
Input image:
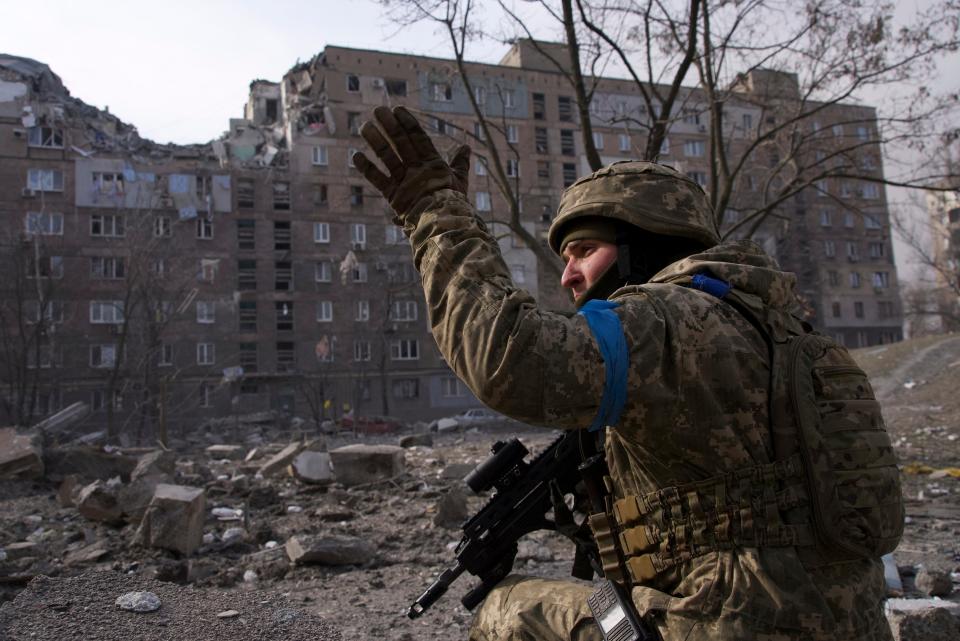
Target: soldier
[672, 359]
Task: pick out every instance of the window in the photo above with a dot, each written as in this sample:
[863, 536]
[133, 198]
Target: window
[245, 192]
[203, 188]
[204, 228]
[208, 269]
[853, 250]
[44, 224]
[855, 280]
[281, 235]
[822, 187]
[97, 400]
[206, 312]
[837, 313]
[513, 168]
[106, 312]
[281, 195]
[567, 146]
[877, 250]
[247, 234]
[871, 222]
[569, 173]
[394, 235]
[442, 92]
[283, 311]
[162, 227]
[320, 198]
[829, 248]
[665, 147]
[885, 309]
[356, 195]
[691, 118]
[480, 95]
[871, 191]
[624, 142]
[508, 98]
[363, 311]
[833, 278]
[481, 166]
[353, 82]
[319, 156]
[483, 201]
[747, 122]
[206, 395]
[863, 133]
[539, 106]
[45, 179]
[406, 388]
[283, 276]
[358, 235]
[396, 87]
[513, 134]
[103, 356]
[106, 267]
[322, 272]
[246, 275]
[848, 219]
[858, 309]
[107, 225]
[881, 280]
[540, 140]
[247, 316]
[403, 310]
[286, 356]
[360, 273]
[50, 311]
[321, 232]
[598, 140]
[694, 148]
[45, 137]
[206, 353]
[826, 218]
[165, 355]
[698, 177]
[108, 183]
[353, 123]
[845, 189]
[565, 108]
[402, 272]
[43, 356]
[324, 311]
[478, 132]
[248, 356]
[158, 266]
[543, 171]
[406, 349]
[45, 267]
[361, 350]
[518, 273]
[452, 387]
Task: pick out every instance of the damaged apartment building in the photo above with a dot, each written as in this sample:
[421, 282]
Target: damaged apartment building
[169, 284]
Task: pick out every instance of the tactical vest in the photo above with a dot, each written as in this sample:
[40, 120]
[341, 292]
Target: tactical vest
[832, 490]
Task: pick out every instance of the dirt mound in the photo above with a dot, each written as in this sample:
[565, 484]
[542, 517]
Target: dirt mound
[84, 607]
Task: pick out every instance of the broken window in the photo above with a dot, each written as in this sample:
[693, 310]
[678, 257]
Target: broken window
[406, 388]
[565, 108]
[281, 235]
[104, 355]
[283, 276]
[286, 356]
[165, 355]
[108, 225]
[108, 183]
[567, 147]
[45, 137]
[363, 311]
[245, 192]
[353, 123]
[569, 173]
[540, 140]
[162, 227]
[246, 234]
[106, 267]
[320, 198]
[539, 106]
[396, 87]
[442, 92]
[360, 273]
[45, 267]
[203, 189]
[271, 109]
[353, 82]
[248, 357]
[246, 275]
[283, 310]
[204, 228]
[361, 350]
[281, 195]
[356, 195]
[247, 316]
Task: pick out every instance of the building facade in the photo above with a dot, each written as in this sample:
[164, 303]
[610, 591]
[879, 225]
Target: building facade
[168, 284]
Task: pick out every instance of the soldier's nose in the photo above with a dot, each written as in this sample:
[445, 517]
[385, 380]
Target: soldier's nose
[571, 275]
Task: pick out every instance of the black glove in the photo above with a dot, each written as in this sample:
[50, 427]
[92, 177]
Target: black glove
[416, 167]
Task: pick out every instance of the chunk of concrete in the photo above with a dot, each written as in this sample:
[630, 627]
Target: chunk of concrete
[88, 463]
[933, 582]
[229, 452]
[69, 490]
[63, 419]
[312, 467]
[174, 519]
[360, 464]
[155, 463]
[20, 455]
[279, 461]
[332, 550]
[452, 509]
[135, 497]
[98, 502]
[416, 440]
[924, 620]
[21, 550]
[87, 554]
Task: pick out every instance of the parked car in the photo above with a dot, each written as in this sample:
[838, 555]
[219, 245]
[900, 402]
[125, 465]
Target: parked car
[371, 424]
[479, 417]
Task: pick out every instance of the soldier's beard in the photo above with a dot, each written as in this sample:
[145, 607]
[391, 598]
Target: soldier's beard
[609, 282]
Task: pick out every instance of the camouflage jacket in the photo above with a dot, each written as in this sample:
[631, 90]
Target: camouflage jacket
[696, 408]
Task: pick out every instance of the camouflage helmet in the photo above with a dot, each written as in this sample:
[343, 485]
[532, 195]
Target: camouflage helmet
[651, 196]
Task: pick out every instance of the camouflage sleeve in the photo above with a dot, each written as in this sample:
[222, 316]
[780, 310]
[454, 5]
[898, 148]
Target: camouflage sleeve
[536, 366]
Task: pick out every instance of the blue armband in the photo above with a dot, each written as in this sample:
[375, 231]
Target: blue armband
[608, 332]
[712, 286]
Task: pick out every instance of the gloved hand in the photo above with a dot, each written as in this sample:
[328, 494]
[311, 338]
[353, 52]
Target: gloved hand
[416, 167]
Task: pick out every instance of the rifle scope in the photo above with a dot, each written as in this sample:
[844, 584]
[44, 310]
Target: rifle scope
[500, 468]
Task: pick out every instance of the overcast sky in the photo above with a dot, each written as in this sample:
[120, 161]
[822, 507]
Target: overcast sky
[180, 70]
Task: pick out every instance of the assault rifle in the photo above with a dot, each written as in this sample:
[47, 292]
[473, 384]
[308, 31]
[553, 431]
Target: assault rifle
[525, 494]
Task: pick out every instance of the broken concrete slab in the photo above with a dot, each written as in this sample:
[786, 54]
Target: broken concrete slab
[928, 623]
[86, 554]
[229, 452]
[331, 550]
[21, 550]
[20, 455]
[279, 461]
[452, 509]
[416, 440]
[360, 464]
[62, 420]
[933, 582]
[174, 519]
[155, 463]
[69, 490]
[135, 497]
[456, 471]
[88, 463]
[98, 502]
[312, 467]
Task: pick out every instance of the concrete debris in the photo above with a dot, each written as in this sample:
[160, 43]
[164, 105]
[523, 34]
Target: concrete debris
[86, 554]
[20, 455]
[891, 575]
[416, 440]
[933, 582]
[156, 463]
[64, 419]
[98, 502]
[228, 452]
[360, 464]
[174, 519]
[456, 471]
[452, 509]
[227, 513]
[227, 614]
[138, 602]
[923, 619]
[69, 490]
[312, 467]
[87, 463]
[21, 550]
[279, 462]
[333, 550]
